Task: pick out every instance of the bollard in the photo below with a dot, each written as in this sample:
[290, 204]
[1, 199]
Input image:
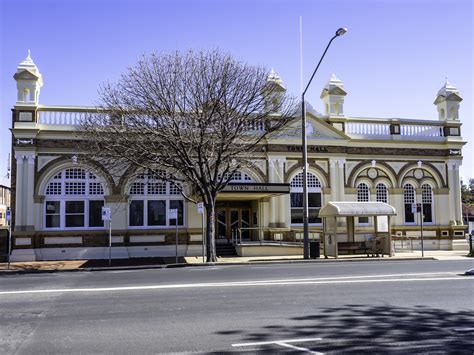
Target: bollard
[470, 245]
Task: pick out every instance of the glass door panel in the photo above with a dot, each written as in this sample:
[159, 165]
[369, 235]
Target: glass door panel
[221, 224]
[234, 222]
[245, 223]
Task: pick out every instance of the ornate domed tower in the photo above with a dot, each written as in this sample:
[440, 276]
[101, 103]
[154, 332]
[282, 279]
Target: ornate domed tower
[277, 90]
[333, 97]
[447, 102]
[28, 82]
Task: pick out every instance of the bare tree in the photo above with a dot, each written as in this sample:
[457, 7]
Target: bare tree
[194, 119]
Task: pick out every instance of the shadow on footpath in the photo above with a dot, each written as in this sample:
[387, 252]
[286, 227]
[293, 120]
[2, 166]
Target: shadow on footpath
[132, 262]
[378, 329]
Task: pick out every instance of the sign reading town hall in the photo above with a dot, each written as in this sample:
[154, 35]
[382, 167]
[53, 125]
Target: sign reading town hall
[274, 188]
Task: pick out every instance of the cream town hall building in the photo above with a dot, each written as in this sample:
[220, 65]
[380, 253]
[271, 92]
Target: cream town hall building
[57, 200]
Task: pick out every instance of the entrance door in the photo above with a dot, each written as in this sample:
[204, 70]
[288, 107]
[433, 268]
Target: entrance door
[229, 220]
[221, 224]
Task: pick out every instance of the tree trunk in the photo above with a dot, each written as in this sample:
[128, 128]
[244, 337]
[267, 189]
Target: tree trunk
[210, 232]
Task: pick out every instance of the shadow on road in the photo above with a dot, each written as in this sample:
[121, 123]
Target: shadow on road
[362, 328]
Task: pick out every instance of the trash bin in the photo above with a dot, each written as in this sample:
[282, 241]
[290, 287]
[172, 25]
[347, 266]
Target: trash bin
[314, 249]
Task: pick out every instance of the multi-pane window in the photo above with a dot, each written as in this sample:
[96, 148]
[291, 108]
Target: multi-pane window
[239, 177]
[409, 199]
[74, 199]
[381, 193]
[363, 195]
[53, 214]
[314, 198]
[427, 201]
[151, 199]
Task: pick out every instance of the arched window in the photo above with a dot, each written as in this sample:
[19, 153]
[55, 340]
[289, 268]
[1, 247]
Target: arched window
[74, 199]
[363, 195]
[409, 199]
[442, 114]
[427, 201]
[241, 177]
[381, 193]
[150, 199]
[314, 199]
[452, 112]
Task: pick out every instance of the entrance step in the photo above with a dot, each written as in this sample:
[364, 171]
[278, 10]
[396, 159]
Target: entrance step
[225, 250]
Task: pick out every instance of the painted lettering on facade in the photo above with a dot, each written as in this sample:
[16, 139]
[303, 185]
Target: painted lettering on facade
[311, 148]
[281, 188]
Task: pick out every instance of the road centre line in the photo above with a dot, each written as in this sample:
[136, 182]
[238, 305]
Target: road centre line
[228, 284]
[299, 348]
[296, 340]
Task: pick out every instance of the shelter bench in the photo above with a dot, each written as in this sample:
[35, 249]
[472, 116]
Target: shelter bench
[356, 248]
[359, 248]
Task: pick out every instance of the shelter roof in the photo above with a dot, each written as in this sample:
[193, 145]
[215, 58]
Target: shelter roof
[356, 209]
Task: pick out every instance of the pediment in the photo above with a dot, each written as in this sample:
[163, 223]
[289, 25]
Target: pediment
[454, 97]
[316, 129]
[25, 75]
[334, 91]
[450, 97]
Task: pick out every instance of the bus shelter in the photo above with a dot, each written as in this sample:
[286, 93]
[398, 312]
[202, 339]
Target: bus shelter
[341, 234]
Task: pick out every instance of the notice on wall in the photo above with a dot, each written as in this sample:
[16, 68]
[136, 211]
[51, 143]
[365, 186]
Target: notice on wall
[106, 214]
[382, 223]
[172, 213]
[200, 207]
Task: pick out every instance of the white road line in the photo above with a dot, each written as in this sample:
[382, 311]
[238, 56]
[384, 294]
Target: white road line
[464, 329]
[228, 284]
[297, 340]
[299, 348]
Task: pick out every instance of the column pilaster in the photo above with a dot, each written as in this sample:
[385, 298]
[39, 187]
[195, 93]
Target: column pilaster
[340, 195]
[452, 191]
[19, 203]
[457, 194]
[30, 188]
[333, 178]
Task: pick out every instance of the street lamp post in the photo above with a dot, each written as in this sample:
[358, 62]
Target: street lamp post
[339, 32]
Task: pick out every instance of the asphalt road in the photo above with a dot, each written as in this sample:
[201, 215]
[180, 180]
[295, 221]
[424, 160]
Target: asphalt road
[381, 307]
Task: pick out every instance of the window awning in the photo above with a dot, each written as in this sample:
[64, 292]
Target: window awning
[356, 209]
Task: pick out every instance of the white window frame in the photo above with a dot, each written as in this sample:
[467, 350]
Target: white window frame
[314, 186]
[415, 218]
[431, 197]
[241, 177]
[168, 196]
[385, 189]
[365, 199]
[62, 198]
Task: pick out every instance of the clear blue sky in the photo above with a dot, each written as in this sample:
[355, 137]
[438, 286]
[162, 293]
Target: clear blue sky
[392, 61]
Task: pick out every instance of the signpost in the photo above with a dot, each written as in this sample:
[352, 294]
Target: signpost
[8, 217]
[107, 216]
[200, 207]
[420, 209]
[173, 214]
[416, 207]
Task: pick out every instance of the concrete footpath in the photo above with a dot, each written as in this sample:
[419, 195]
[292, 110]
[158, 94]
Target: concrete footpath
[145, 263]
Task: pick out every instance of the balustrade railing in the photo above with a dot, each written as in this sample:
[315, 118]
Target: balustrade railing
[421, 130]
[406, 129]
[71, 117]
[62, 117]
[368, 128]
[357, 127]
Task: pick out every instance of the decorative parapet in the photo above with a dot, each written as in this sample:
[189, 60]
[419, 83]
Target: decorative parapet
[57, 115]
[402, 128]
[354, 127]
